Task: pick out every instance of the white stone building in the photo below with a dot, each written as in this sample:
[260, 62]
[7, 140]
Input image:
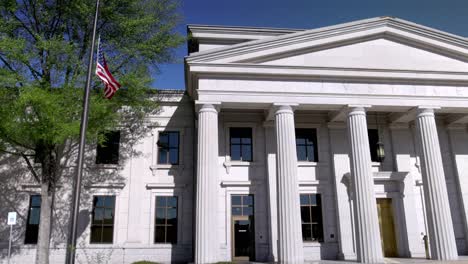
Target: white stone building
[275, 152]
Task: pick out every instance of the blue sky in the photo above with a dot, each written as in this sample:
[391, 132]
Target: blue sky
[446, 15]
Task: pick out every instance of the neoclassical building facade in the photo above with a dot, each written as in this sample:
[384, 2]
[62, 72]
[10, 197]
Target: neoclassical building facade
[289, 145]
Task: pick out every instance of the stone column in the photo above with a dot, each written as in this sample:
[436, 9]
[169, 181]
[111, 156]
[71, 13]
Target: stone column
[206, 239]
[290, 247]
[368, 246]
[441, 234]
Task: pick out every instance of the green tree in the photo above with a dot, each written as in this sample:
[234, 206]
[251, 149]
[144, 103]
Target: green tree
[44, 46]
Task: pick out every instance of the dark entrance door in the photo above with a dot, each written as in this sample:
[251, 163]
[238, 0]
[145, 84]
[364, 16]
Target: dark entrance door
[243, 235]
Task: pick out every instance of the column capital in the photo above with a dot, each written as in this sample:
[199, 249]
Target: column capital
[280, 108]
[204, 106]
[423, 110]
[356, 108]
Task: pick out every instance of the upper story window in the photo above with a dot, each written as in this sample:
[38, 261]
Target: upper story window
[34, 216]
[165, 229]
[168, 147]
[108, 151]
[102, 223]
[306, 144]
[373, 135]
[311, 216]
[241, 143]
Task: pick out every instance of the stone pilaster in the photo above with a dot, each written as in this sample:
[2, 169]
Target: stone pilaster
[441, 234]
[290, 246]
[368, 246]
[206, 239]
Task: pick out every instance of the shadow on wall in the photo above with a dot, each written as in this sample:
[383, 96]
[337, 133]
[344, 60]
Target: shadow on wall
[17, 184]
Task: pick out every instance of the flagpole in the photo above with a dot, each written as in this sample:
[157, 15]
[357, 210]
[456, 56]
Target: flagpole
[71, 244]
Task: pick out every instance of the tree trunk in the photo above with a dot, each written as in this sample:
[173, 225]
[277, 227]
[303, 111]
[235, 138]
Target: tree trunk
[45, 224]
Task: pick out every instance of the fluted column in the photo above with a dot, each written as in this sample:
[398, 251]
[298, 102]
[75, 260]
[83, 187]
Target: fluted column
[206, 240]
[368, 246]
[290, 246]
[441, 234]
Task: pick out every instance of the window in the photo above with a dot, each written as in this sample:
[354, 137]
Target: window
[108, 151]
[241, 143]
[373, 140]
[242, 205]
[165, 229]
[34, 216]
[102, 224]
[306, 144]
[168, 148]
[311, 216]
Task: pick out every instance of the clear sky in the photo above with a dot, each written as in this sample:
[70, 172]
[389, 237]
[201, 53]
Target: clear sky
[446, 15]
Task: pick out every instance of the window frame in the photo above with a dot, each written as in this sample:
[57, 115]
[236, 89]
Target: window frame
[113, 160]
[102, 225]
[240, 144]
[306, 145]
[168, 148]
[176, 225]
[28, 225]
[321, 237]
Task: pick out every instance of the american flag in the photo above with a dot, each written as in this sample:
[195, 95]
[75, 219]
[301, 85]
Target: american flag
[102, 71]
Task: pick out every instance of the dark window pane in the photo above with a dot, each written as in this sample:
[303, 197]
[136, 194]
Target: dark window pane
[163, 140]
[235, 140]
[161, 201]
[159, 234]
[96, 232]
[172, 201]
[300, 140]
[171, 214]
[316, 214]
[235, 152]
[246, 141]
[313, 199]
[98, 215]
[373, 135]
[246, 153]
[305, 214]
[304, 199]
[107, 234]
[311, 153]
[34, 216]
[174, 156]
[160, 216]
[36, 201]
[247, 200]
[236, 211]
[236, 200]
[108, 151]
[99, 201]
[301, 153]
[108, 216]
[317, 232]
[306, 232]
[109, 201]
[171, 234]
[174, 139]
[247, 211]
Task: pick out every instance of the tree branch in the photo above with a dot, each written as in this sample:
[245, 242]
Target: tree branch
[30, 167]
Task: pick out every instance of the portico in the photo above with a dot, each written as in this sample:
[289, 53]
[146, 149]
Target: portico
[341, 81]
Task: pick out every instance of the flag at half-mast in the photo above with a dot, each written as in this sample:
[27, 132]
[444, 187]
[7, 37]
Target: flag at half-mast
[102, 71]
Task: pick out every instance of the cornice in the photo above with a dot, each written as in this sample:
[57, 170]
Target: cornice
[398, 27]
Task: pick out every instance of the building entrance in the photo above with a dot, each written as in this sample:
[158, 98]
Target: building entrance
[387, 227]
[242, 227]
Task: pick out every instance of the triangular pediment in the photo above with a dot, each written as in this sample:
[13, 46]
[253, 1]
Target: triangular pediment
[380, 53]
[379, 43]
